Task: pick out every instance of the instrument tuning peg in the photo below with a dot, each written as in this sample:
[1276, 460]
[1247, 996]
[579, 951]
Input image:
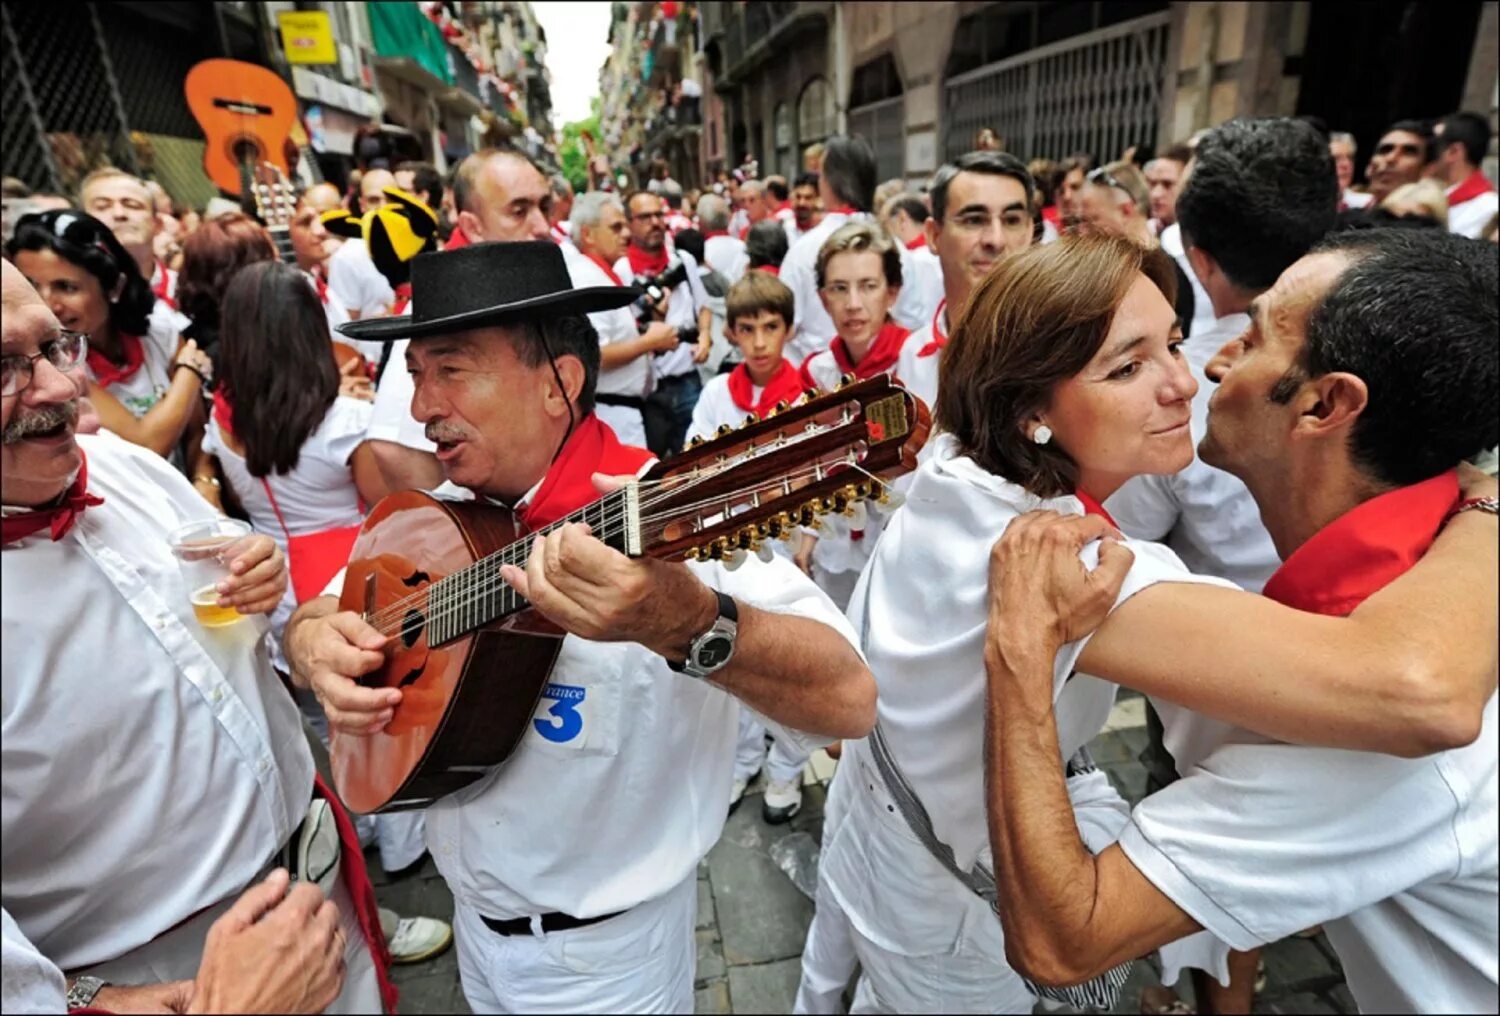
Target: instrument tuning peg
[859, 515]
[780, 407]
[734, 559]
[750, 420]
[765, 553]
[695, 441]
[848, 379]
[889, 499]
[724, 428]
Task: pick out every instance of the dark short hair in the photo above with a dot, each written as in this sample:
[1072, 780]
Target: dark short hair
[1261, 193]
[776, 185]
[104, 258]
[1414, 317]
[1178, 152]
[914, 207]
[766, 243]
[1470, 130]
[849, 170]
[993, 163]
[638, 193]
[1034, 321]
[275, 363]
[426, 181]
[570, 335]
[1421, 128]
[691, 241]
[806, 180]
[758, 292]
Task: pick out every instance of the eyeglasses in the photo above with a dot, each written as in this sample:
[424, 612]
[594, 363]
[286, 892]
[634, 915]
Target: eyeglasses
[641, 216]
[1103, 176]
[64, 353]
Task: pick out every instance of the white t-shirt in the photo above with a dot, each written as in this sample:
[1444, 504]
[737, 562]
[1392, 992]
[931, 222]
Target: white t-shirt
[151, 765]
[1203, 307]
[1395, 857]
[926, 274]
[632, 379]
[31, 982]
[356, 280]
[617, 789]
[1204, 514]
[922, 606]
[1354, 199]
[716, 407]
[917, 372]
[813, 330]
[317, 495]
[683, 304]
[391, 419]
[1468, 218]
[145, 388]
[726, 255]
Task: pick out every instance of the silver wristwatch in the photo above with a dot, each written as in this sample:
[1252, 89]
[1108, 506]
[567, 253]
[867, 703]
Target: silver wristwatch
[81, 994]
[713, 649]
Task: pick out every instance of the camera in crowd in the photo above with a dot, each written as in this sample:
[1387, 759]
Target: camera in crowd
[658, 286]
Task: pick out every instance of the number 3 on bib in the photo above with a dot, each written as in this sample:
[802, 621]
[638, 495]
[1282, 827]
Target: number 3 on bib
[559, 719]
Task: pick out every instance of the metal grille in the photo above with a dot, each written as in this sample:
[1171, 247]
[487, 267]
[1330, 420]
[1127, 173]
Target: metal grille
[1097, 93]
[66, 118]
[883, 125]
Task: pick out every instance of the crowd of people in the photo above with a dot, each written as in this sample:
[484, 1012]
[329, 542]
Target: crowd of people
[1231, 419]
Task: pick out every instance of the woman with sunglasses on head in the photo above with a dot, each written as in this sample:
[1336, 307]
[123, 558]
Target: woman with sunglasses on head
[145, 384]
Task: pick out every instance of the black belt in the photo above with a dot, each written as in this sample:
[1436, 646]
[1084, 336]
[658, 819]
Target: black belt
[672, 379]
[628, 401]
[550, 923]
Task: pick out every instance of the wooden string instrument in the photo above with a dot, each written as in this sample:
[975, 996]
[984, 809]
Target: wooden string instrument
[472, 659]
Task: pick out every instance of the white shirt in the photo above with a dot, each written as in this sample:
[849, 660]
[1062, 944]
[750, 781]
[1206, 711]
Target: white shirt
[152, 766]
[920, 373]
[31, 982]
[165, 317]
[356, 280]
[617, 789]
[716, 407]
[618, 325]
[145, 388]
[1468, 218]
[1396, 858]
[683, 304]
[926, 276]
[1203, 307]
[337, 313]
[922, 606]
[1354, 199]
[726, 255]
[1204, 514]
[391, 419]
[813, 330]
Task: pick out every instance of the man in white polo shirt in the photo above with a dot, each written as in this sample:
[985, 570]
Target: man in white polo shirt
[1350, 454]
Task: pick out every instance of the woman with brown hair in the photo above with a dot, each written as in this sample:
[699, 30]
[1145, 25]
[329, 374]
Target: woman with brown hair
[210, 258]
[1063, 379]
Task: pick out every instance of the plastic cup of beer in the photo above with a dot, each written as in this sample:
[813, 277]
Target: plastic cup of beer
[204, 551]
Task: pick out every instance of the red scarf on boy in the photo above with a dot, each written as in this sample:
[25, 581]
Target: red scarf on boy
[785, 386]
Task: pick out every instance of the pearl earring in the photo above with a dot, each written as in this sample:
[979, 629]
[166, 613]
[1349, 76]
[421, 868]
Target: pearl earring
[1042, 434]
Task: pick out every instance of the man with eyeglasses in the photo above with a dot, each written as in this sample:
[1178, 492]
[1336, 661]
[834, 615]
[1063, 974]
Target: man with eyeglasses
[121, 781]
[981, 212]
[1400, 157]
[668, 411]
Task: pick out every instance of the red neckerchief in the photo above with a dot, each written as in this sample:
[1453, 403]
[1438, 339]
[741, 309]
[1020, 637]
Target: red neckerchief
[403, 299]
[709, 234]
[591, 448]
[643, 262]
[107, 373]
[361, 893]
[939, 337]
[608, 270]
[785, 386]
[785, 206]
[1470, 189]
[916, 243]
[223, 411]
[1092, 507]
[160, 289]
[319, 284]
[1050, 214]
[841, 210]
[456, 239]
[880, 357]
[773, 269]
[1365, 549]
[60, 517]
[744, 232]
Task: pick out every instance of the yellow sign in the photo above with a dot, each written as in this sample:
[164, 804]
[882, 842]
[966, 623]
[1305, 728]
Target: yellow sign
[307, 37]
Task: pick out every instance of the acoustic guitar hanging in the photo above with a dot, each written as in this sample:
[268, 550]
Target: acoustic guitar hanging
[246, 113]
[472, 659]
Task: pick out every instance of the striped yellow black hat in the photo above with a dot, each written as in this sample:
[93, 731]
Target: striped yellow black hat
[395, 232]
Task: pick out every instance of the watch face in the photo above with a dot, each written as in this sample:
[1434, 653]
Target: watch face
[713, 652]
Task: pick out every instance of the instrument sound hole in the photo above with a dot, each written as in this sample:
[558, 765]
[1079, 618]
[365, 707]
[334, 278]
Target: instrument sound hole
[245, 150]
[411, 627]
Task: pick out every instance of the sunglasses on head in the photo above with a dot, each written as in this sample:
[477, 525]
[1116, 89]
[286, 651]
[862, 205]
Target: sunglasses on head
[1103, 176]
[76, 228]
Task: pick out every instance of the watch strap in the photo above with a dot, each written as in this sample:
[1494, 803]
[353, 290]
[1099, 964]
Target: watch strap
[84, 988]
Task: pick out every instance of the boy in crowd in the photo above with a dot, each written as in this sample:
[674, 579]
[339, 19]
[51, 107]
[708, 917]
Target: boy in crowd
[759, 315]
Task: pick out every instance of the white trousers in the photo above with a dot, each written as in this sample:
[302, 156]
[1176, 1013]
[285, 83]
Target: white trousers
[639, 962]
[176, 954]
[782, 764]
[828, 958]
[626, 422]
[400, 835]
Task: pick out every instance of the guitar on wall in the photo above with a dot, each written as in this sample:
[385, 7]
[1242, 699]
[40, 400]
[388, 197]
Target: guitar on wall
[472, 658]
[247, 114]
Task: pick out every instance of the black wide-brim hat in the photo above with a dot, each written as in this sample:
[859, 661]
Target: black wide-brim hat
[489, 284]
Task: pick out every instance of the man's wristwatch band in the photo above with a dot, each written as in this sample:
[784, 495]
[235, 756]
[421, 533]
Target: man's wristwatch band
[1488, 505]
[712, 650]
[81, 993]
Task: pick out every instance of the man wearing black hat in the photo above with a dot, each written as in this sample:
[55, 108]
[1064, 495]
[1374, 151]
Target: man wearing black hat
[573, 867]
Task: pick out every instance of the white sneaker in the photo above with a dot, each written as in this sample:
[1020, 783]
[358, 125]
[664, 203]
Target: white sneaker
[737, 792]
[419, 938]
[783, 800]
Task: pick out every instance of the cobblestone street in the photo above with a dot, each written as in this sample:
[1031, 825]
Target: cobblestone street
[752, 919]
